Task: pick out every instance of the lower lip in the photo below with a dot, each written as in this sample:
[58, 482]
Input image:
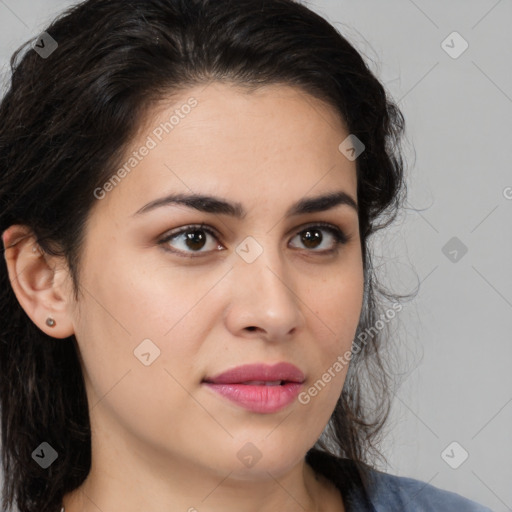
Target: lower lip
[263, 399]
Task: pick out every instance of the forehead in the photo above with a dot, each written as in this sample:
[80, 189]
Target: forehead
[234, 142]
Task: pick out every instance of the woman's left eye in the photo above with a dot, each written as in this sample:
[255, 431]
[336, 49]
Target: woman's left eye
[194, 238]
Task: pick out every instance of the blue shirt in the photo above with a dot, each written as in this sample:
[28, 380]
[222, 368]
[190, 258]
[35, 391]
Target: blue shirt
[367, 490]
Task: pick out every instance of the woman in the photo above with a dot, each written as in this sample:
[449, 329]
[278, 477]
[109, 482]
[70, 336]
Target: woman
[189, 311]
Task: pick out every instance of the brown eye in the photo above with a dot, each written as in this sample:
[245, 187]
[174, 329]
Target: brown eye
[192, 238]
[312, 237]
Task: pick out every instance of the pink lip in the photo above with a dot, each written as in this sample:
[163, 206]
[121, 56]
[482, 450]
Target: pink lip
[255, 397]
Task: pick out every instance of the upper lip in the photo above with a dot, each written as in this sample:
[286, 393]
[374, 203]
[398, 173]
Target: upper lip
[260, 372]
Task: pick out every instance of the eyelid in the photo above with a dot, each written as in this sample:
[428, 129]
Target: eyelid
[340, 235]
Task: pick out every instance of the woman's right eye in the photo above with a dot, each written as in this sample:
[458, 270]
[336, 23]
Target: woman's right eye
[192, 237]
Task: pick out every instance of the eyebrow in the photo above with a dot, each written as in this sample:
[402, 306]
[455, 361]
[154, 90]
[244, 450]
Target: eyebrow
[212, 204]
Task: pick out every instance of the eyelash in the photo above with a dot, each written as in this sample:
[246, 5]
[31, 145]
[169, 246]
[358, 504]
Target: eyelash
[340, 238]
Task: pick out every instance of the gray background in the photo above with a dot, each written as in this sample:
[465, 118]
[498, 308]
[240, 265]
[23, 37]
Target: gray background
[455, 336]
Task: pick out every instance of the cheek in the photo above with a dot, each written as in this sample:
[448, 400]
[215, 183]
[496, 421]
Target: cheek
[136, 298]
[128, 318]
[334, 320]
[151, 399]
[336, 302]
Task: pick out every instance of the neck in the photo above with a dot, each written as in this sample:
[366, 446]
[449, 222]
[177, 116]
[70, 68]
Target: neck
[318, 495]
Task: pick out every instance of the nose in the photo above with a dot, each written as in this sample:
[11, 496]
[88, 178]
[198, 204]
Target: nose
[264, 300]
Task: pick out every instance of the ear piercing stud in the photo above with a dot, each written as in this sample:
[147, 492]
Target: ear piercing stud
[50, 322]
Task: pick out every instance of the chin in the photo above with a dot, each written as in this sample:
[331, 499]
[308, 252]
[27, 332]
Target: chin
[254, 460]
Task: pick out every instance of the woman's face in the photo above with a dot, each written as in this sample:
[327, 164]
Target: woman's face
[157, 318]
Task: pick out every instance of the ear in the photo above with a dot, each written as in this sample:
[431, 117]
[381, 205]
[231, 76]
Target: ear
[40, 282]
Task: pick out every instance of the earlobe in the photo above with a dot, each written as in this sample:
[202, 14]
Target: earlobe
[37, 283]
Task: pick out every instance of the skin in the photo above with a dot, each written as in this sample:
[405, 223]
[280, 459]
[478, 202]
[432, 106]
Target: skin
[160, 439]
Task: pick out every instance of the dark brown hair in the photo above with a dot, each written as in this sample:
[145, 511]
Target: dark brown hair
[65, 122]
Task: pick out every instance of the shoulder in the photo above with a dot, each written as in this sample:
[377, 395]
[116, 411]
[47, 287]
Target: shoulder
[366, 489]
[392, 493]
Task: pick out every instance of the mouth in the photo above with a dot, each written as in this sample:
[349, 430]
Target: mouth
[259, 375]
[254, 382]
[259, 388]
[263, 383]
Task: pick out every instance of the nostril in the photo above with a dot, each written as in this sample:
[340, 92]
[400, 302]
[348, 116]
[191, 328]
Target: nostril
[251, 328]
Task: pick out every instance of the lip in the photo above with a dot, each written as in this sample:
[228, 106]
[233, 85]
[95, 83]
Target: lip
[280, 371]
[258, 397]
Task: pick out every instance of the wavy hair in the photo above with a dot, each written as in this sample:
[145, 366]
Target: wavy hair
[65, 123]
